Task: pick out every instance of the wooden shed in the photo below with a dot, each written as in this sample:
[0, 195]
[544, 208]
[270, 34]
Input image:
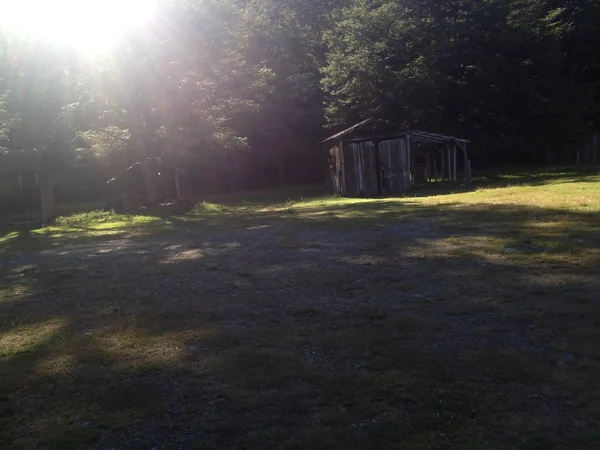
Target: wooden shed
[374, 158]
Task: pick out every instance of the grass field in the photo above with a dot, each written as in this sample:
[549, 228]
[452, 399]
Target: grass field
[291, 320]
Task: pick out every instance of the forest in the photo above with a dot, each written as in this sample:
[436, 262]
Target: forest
[238, 93]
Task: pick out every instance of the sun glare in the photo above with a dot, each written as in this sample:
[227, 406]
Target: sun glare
[90, 25]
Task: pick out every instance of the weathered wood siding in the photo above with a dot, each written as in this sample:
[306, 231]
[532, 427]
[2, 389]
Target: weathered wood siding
[361, 176]
[335, 169]
[357, 171]
[394, 159]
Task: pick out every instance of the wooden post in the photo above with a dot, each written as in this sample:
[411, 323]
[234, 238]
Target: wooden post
[342, 170]
[449, 163]
[435, 169]
[443, 157]
[454, 174]
[409, 161]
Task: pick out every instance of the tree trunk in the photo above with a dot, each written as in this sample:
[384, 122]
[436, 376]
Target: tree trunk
[178, 185]
[596, 148]
[147, 175]
[47, 197]
[281, 171]
[138, 147]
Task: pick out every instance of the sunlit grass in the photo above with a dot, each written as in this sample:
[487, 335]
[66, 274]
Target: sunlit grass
[8, 237]
[559, 192]
[28, 338]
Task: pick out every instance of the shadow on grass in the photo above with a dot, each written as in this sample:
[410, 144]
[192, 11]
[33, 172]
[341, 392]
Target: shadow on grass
[535, 176]
[347, 326]
[456, 219]
[509, 177]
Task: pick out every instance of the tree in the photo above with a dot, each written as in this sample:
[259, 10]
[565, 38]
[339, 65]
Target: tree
[495, 71]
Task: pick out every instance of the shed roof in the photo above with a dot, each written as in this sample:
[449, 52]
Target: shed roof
[423, 137]
[433, 138]
[347, 131]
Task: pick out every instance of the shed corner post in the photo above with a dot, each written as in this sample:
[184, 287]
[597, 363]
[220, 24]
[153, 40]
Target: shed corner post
[449, 157]
[442, 152]
[435, 167]
[409, 161]
[455, 175]
[343, 186]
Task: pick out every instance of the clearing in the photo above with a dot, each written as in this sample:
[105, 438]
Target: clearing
[458, 321]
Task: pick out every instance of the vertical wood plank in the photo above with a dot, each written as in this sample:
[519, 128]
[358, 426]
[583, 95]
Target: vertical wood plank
[443, 157]
[454, 175]
[377, 163]
[342, 178]
[449, 163]
[409, 157]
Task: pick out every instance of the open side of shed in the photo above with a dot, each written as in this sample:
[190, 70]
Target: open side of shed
[374, 158]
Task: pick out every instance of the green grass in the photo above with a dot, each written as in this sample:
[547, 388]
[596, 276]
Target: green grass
[455, 317]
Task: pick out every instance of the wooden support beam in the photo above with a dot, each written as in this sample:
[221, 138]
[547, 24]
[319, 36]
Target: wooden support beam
[343, 186]
[454, 174]
[449, 163]
[435, 167]
[443, 157]
[428, 169]
[409, 161]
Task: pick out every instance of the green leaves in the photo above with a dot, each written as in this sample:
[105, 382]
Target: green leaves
[498, 69]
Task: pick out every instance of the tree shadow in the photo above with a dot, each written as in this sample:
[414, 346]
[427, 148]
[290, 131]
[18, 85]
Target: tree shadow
[354, 326]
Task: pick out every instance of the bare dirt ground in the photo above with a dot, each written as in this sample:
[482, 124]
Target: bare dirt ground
[283, 335]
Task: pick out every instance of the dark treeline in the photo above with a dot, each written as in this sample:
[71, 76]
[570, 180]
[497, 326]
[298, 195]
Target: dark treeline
[237, 93]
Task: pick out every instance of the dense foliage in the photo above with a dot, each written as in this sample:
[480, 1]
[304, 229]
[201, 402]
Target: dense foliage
[226, 85]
